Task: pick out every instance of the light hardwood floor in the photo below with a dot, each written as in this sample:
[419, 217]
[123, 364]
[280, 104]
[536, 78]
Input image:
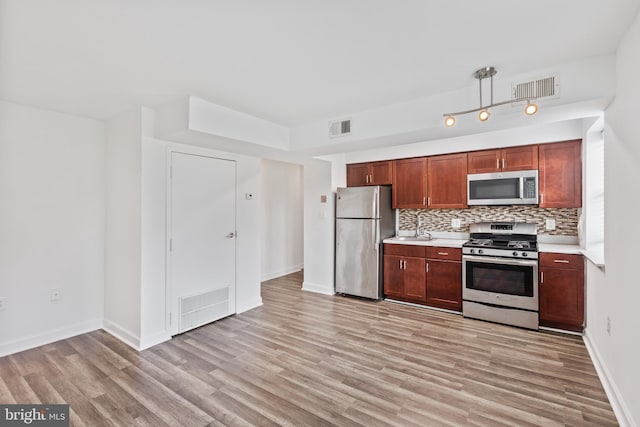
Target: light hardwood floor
[311, 359]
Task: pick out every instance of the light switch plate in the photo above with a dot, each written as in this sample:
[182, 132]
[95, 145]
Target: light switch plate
[456, 223]
[248, 196]
[550, 224]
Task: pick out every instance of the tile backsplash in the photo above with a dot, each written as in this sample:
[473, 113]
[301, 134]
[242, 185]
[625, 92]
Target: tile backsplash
[440, 219]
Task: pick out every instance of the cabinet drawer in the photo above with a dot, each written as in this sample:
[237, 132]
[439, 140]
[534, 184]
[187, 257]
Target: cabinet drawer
[448, 254]
[556, 260]
[404, 250]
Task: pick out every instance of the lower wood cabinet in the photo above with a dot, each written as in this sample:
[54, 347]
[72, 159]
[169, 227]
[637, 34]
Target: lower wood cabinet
[561, 291]
[424, 275]
[444, 278]
[404, 273]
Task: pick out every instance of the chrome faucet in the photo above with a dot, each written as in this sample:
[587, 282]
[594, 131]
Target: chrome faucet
[420, 234]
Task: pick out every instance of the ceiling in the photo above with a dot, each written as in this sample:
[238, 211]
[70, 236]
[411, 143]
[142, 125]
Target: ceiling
[287, 61]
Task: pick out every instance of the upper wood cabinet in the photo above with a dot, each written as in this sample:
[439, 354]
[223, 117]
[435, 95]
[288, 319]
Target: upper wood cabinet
[410, 183]
[447, 181]
[506, 159]
[372, 173]
[560, 174]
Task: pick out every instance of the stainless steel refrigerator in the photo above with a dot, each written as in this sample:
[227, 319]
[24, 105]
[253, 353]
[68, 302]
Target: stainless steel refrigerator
[363, 219]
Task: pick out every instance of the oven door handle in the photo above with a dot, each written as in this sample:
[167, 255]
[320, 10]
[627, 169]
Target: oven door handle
[494, 260]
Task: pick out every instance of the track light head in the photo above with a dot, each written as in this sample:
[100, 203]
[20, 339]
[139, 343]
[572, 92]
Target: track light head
[450, 121]
[531, 108]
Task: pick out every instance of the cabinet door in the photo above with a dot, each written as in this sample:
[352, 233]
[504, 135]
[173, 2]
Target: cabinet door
[444, 284]
[560, 175]
[562, 298]
[410, 183]
[484, 161]
[520, 158]
[447, 181]
[358, 174]
[393, 276]
[380, 173]
[414, 279]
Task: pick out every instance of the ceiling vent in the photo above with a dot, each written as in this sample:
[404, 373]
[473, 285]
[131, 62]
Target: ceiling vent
[339, 128]
[540, 89]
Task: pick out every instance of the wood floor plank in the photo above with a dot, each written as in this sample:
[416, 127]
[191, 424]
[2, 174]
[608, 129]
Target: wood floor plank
[306, 359]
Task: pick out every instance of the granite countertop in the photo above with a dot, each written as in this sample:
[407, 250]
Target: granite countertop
[560, 248]
[457, 243]
[449, 243]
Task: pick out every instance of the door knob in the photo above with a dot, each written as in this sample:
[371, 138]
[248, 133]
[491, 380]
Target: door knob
[231, 235]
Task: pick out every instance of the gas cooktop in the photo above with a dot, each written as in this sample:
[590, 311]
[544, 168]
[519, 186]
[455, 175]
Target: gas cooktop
[504, 239]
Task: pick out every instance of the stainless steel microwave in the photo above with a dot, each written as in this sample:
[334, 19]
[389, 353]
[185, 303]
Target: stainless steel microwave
[503, 188]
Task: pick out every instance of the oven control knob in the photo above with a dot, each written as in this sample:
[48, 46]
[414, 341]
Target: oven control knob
[515, 253]
[472, 251]
[525, 254]
[480, 251]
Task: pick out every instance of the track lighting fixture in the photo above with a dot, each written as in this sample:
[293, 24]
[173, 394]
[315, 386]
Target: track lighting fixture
[488, 72]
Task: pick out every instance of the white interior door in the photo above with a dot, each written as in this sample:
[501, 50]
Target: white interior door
[202, 243]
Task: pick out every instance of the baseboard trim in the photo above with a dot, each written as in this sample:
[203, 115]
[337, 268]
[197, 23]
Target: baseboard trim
[48, 337]
[280, 273]
[620, 409]
[246, 306]
[122, 334]
[155, 339]
[319, 289]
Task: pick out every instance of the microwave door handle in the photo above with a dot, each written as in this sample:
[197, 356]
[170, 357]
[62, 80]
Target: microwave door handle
[522, 187]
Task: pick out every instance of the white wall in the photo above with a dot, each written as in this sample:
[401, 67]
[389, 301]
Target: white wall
[584, 84]
[52, 225]
[319, 223]
[282, 218]
[123, 160]
[153, 230]
[615, 292]
[559, 131]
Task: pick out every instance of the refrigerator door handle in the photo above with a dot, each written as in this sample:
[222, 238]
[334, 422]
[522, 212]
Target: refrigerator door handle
[374, 226]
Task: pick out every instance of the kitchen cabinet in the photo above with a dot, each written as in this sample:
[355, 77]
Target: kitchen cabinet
[409, 183]
[404, 272]
[444, 277]
[447, 181]
[372, 173]
[503, 160]
[561, 291]
[560, 174]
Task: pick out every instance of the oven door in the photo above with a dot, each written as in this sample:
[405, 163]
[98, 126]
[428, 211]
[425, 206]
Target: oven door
[500, 281]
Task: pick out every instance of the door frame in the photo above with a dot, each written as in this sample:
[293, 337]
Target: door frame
[171, 319]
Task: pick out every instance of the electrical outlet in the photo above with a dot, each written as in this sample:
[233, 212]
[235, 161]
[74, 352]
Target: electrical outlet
[550, 224]
[608, 325]
[55, 294]
[456, 223]
[3, 303]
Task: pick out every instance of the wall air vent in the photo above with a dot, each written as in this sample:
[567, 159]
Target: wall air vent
[540, 89]
[339, 128]
[203, 308]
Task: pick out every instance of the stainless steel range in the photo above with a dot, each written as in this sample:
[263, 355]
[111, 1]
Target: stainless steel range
[500, 273]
